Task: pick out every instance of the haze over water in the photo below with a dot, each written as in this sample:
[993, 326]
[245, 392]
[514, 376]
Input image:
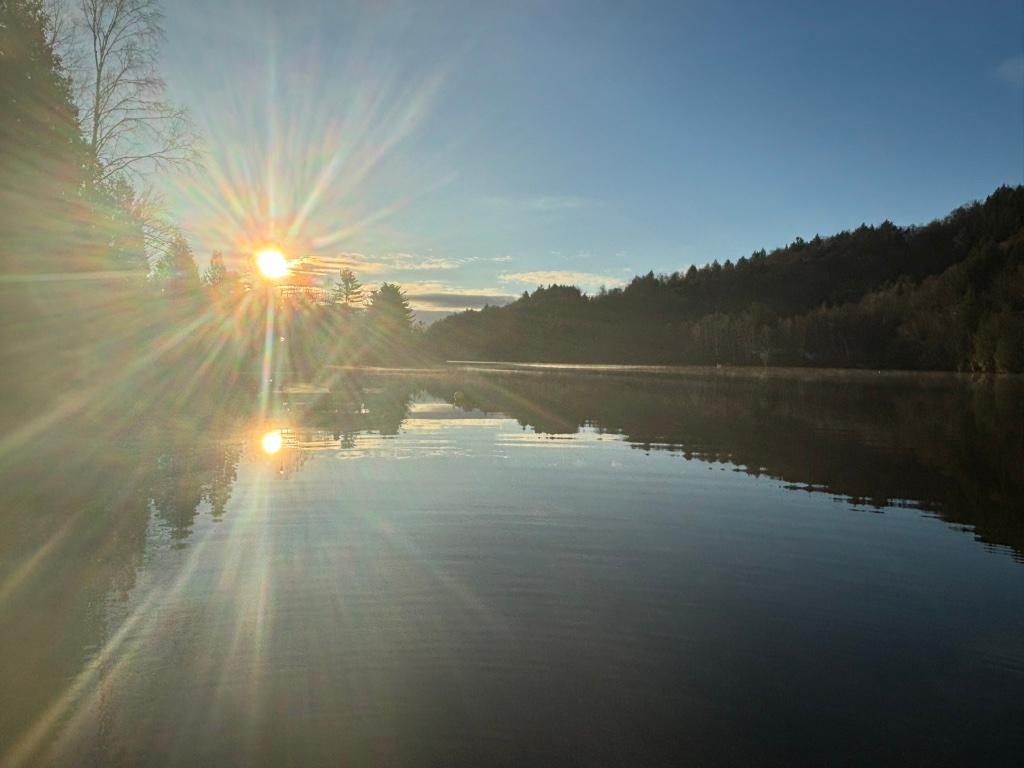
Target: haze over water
[507, 568]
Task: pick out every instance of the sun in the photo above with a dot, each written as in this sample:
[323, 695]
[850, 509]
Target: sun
[272, 263]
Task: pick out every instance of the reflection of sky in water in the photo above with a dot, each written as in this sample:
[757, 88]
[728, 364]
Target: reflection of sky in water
[362, 585]
[272, 441]
[432, 430]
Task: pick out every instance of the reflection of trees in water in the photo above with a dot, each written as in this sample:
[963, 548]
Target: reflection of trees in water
[941, 444]
[221, 479]
[76, 509]
[362, 404]
[74, 515]
[388, 406]
[78, 503]
[192, 468]
[75, 519]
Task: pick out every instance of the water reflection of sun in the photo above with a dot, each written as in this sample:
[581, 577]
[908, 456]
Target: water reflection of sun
[272, 442]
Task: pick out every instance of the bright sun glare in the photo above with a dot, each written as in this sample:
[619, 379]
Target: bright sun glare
[272, 263]
[272, 442]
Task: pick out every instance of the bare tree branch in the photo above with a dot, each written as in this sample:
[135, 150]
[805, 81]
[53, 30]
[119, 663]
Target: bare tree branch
[132, 130]
[60, 30]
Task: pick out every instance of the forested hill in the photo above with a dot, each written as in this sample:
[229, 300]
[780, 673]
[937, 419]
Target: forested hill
[948, 295]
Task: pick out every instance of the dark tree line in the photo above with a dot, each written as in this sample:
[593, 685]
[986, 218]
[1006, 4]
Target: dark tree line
[948, 295]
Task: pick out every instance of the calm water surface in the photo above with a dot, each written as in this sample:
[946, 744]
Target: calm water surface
[523, 568]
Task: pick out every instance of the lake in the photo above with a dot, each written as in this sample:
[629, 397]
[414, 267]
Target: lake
[499, 565]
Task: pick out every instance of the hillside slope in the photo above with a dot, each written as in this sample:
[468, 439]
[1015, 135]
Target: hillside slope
[946, 296]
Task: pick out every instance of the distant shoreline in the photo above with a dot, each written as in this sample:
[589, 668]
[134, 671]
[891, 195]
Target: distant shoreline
[682, 371]
[944, 296]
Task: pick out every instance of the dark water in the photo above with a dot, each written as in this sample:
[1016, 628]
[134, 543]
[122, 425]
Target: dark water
[494, 568]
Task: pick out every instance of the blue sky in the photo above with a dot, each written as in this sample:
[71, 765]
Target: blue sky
[474, 150]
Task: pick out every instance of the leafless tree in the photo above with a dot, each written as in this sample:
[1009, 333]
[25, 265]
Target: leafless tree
[131, 128]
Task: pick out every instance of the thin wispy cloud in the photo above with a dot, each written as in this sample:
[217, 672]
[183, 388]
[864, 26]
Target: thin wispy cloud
[399, 262]
[1011, 70]
[443, 297]
[583, 280]
[377, 264]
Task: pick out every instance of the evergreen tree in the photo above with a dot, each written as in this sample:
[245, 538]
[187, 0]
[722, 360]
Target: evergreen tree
[177, 269]
[388, 326]
[216, 272]
[349, 291]
[44, 164]
[389, 313]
